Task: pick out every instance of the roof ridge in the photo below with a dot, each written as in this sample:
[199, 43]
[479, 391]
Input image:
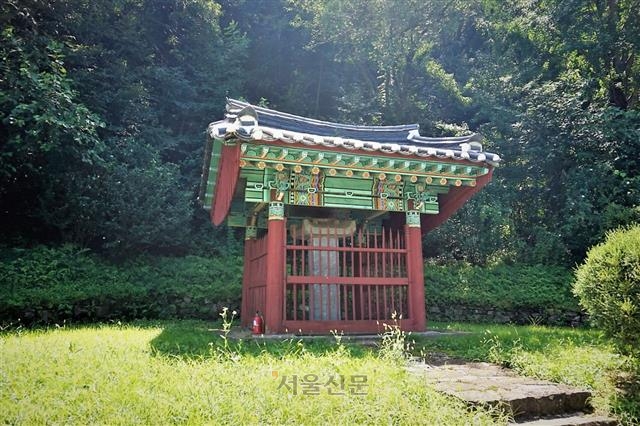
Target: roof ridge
[275, 113]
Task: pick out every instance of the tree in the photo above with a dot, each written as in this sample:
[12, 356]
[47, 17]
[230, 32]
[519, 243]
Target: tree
[389, 53]
[155, 73]
[44, 127]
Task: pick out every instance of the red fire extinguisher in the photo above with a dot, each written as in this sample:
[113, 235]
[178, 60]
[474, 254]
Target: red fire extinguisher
[258, 324]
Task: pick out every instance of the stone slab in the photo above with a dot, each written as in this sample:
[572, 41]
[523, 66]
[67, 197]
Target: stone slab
[487, 384]
[577, 420]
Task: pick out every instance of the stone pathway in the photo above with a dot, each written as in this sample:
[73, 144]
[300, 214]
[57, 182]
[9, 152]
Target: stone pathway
[528, 401]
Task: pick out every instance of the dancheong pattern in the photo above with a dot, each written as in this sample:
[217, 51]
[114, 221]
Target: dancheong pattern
[306, 188]
[387, 195]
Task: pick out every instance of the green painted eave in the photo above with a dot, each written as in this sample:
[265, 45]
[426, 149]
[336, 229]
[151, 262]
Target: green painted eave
[212, 173]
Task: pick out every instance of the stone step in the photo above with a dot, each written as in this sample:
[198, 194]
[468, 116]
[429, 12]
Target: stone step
[577, 420]
[488, 385]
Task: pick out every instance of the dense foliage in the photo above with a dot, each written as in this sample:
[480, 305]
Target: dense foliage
[54, 285]
[503, 287]
[608, 285]
[103, 107]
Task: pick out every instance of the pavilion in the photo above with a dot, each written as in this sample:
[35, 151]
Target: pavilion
[334, 214]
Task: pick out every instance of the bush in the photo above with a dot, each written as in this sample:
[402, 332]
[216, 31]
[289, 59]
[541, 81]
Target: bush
[508, 287]
[55, 284]
[608, 285]
[67, 283]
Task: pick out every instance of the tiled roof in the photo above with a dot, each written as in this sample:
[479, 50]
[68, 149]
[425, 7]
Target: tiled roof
[250, 122]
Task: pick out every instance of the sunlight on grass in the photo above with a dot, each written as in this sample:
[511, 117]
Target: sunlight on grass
[137, 374]
[575, 356]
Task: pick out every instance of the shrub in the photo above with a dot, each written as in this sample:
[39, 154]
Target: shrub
[47, 284]
[508, 287]
[608, 285]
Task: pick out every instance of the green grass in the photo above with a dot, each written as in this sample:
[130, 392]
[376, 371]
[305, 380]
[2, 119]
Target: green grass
[183, 373]
[576, 356]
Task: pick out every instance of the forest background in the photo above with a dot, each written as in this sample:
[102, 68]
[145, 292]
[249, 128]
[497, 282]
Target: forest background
[104, 106]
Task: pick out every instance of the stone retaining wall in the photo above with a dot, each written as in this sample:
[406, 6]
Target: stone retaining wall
[164, 307]
[168, 307]
[524, 316]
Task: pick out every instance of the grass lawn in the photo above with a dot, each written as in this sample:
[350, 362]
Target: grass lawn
[184, 372]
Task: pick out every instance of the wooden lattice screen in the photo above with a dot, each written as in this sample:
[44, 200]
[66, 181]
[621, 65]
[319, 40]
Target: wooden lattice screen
[358, 276]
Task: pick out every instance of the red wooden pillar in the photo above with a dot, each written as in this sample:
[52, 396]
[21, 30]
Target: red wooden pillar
[274, 303]
[249, 239]
[415, 267]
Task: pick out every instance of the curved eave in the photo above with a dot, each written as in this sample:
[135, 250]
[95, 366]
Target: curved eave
[243, 119]
[208, 179]
[443, 149]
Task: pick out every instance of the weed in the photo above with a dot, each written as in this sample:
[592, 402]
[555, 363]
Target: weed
[225, 349]
[340, 348]
[499, 351]
[393, 341]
